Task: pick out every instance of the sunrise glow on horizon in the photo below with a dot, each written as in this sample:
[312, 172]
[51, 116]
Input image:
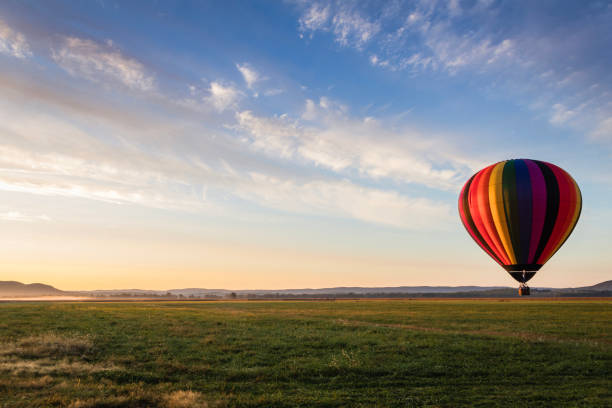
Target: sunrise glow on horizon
[290, 144]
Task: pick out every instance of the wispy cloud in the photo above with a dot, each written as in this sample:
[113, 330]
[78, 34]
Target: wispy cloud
[13, 43]
[101, 62]
[349, 27]
[20, 217]
[425, 40]
[276, 135]
[273, 91]
[115, 161]
[222, 96]
[603, 131]
[329, 138]
[56, 155]
[249, 74]
[97, 171]
[347, 200]
[315, 17]
[561, 114]
[560, 72]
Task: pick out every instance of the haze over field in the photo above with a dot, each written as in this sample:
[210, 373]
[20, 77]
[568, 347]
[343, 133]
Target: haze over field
[290, 144]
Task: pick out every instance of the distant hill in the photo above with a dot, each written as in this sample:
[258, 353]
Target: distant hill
[607, 285]
[15, 289]
[600, 289]
[355, 290]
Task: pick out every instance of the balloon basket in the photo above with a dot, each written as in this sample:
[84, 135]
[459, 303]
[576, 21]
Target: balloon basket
[523, 290]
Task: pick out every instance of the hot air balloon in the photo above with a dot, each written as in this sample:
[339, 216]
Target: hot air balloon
[520, 212]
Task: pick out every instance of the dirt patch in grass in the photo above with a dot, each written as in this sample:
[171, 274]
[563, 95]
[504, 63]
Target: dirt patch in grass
[129, 401]
[185, 399]
[50, 345]
[140, 398]
[42, 366]
[49, 353]
[30, 383]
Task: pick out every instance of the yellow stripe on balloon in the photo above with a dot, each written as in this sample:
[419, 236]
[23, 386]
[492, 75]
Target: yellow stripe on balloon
[574, 219]
[498, 213]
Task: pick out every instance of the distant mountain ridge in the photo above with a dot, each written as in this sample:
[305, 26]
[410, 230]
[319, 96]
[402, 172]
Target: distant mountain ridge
[342, 290]
[17, 289]
[14, 289]
[607, 285]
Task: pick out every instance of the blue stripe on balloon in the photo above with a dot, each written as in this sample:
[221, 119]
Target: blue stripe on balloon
[525, 209]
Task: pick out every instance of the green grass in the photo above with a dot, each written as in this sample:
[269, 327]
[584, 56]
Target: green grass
[374, 353]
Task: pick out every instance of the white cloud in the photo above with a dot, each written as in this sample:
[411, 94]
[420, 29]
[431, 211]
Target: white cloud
[249, 74]
[49, 156]
[603, 130]
[454, 8]
[314, 18]
[347, 200]
[438, 46]
[352, 29]
[325, 107]
[273, 91]
[13, 43]
[222, 97]
[561, 114]
[552, 68]
[101, 62]
[328, 138]
[447, 50]
[272, 135]
[20, 217]
[349, 27]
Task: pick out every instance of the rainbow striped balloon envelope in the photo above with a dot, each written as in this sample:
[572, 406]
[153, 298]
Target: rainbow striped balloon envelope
[520, 212]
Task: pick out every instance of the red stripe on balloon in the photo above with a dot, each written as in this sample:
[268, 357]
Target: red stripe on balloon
[468, 223]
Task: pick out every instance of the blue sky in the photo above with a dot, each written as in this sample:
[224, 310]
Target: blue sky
[290, 144]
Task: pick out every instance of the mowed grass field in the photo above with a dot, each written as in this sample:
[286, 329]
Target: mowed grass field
[365, 353]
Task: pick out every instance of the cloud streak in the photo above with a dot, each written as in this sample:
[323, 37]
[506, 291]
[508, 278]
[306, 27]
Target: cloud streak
[560, 70]
[101, 62]
[13, 43]
[249, 74]
[327, 137]
[20, 217]
[222, 97]
[50, 155]
[348, 26]
[347, 200]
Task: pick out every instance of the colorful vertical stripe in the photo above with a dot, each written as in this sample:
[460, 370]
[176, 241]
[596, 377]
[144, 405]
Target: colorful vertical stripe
[520, 212]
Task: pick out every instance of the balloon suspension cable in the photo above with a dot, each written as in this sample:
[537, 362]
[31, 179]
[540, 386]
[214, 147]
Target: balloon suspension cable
[523, 288]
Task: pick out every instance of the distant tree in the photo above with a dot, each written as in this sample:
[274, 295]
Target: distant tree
[233, 295]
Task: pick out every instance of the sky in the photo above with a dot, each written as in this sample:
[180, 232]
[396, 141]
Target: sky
[290, 144]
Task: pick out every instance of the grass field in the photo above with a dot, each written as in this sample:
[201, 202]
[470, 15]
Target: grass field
[373, 353]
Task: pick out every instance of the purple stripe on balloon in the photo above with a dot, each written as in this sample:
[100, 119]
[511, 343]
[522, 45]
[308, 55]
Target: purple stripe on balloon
[538, 200]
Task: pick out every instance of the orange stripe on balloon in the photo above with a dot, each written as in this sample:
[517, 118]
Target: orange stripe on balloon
[485, 224]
